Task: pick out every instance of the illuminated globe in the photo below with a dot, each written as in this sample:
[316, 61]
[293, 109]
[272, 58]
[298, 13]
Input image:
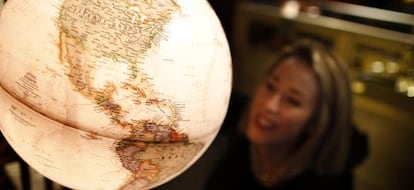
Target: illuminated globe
[112, 94]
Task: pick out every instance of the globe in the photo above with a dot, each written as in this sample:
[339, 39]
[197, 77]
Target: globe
[112, 94]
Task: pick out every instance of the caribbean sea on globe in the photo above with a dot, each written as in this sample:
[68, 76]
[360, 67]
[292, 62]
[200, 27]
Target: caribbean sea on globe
[112, 94]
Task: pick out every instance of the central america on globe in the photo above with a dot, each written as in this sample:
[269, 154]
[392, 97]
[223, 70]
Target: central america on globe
[112, 94]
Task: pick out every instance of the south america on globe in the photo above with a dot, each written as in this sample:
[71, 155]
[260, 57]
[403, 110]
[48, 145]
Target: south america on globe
[112, 94]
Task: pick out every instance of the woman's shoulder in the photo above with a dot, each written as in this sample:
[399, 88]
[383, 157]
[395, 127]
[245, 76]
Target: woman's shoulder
[359, 147]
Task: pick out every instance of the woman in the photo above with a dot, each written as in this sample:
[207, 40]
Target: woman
[298, 131]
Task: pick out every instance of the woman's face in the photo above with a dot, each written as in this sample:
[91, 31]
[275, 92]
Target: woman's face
[283, 104]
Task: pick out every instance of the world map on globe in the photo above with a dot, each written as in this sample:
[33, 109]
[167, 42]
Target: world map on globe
[112, 94]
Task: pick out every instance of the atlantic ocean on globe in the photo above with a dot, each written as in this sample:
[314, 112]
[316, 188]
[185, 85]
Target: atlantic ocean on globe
[112, 94]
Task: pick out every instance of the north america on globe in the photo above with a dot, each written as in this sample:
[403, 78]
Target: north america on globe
[114, 40]
[112, 94]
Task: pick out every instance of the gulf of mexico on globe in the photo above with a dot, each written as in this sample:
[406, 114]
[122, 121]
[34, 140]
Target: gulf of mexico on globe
[112, 94]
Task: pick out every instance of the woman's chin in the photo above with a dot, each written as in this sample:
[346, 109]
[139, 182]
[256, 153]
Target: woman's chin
[256, 137]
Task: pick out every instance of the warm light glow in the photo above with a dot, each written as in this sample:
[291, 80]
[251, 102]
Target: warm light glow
[392, 67]
[358, 87]
[410, 91]
[290, 9]
[402, 84]
[377, 67]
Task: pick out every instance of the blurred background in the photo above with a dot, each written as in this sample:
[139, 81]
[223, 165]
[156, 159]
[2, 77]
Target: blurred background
[375, 38]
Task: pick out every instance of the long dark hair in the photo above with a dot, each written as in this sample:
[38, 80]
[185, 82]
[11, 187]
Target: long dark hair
[325, 147]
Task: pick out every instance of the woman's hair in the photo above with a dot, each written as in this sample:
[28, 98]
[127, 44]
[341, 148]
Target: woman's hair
[325, 144]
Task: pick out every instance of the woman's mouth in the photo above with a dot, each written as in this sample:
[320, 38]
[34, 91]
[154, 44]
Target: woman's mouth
[264, 123]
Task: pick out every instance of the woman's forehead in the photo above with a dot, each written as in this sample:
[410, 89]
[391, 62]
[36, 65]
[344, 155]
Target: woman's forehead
[298, 76]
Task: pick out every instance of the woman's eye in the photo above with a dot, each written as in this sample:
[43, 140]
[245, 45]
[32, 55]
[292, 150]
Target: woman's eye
[270, 87]
[294, 102]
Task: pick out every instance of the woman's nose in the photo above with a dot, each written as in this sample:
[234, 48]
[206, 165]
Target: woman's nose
[273, 102]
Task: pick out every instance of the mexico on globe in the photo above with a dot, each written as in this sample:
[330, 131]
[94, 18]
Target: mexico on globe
[112, 94]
